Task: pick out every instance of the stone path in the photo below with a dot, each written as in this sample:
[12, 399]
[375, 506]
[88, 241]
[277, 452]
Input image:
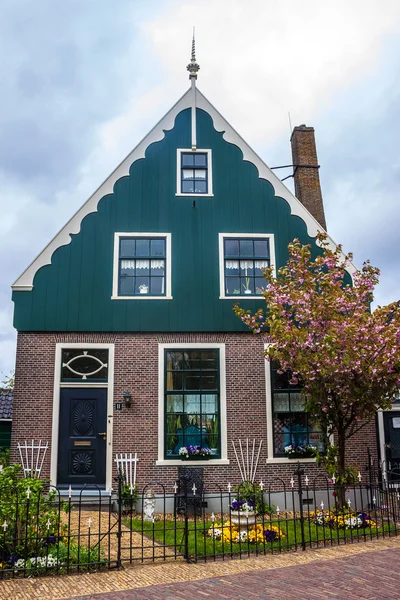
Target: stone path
[360, 570]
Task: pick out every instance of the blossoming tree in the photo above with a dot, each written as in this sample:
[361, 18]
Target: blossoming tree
[320, 327]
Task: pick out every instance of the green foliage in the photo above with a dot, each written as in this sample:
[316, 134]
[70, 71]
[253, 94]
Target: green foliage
[9, 380]
[251, 491]
[130, 495]
[5, 457]
[30, 522]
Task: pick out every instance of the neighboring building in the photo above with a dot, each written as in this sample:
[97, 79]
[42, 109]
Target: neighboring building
[134, 297]
[6, 407]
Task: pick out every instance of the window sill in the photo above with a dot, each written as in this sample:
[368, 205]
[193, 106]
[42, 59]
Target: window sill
[247, 297]
[201, 463]
[195, 195]
[288, 461]
[141, 297]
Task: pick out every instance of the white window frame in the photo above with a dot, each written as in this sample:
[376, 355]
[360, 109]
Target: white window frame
[133, 234]
[209, 172]
[58, 385]
[221, 238]
[271, 459]
[222, 404]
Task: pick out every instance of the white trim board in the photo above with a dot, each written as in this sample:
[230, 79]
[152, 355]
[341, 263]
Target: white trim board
[222, 403]
[56, 406]
[25, 281]
[168, 271]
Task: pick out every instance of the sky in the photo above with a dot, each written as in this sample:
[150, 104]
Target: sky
[83, 81]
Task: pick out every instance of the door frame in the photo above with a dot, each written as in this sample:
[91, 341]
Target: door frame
[56, 405]
[381, 434]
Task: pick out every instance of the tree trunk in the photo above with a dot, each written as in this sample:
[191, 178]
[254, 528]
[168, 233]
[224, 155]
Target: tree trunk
[341, 470]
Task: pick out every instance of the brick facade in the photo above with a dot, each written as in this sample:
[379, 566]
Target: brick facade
[135, 429]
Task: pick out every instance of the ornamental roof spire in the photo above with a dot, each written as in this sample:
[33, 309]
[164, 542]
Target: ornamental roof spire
[193, 67]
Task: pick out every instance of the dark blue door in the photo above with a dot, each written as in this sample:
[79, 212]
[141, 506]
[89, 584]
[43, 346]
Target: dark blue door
[82, 437]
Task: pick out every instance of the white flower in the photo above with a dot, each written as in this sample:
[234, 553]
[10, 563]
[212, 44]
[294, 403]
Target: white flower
[352, 522]
[183, 451]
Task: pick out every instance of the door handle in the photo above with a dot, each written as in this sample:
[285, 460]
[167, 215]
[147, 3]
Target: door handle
[104, 434]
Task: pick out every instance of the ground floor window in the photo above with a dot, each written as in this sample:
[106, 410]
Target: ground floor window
[192, 400]
[291, 424]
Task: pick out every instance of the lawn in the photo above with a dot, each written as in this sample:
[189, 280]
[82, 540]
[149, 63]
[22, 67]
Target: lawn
[169, 535]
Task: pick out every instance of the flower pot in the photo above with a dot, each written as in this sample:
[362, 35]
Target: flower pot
[196, 457]
[247, 291]
[243, 520]
[142, 291]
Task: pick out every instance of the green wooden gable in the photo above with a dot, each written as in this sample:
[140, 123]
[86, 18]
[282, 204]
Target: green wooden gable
[73, 293]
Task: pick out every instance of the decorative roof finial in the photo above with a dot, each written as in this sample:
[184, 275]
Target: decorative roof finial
[193, 67]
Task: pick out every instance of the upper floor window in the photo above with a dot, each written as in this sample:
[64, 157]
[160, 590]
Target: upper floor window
[243, 260]
[141, 266]
[194, 173]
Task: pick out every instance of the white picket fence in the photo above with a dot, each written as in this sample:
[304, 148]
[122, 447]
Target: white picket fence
[32, 457]
[126, 465]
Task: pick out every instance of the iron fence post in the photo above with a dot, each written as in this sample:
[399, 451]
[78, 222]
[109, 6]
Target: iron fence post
[186, 529]
[299, 472]
[119, 533]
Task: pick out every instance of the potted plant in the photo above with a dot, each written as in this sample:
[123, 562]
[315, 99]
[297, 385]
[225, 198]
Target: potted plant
[246, 286]
[144, 289]
[300, 451]
[194, 453]
[243, 512]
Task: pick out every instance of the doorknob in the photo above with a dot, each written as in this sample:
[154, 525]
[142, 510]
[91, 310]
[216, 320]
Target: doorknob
[104, 434]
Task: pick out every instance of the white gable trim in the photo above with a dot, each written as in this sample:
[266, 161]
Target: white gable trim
[25, 281]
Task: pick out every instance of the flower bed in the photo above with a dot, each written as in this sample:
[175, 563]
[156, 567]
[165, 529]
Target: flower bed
[344, 520]
[229, 532]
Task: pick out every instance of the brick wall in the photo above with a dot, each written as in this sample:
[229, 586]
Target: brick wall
[306, 176]
[136, 429]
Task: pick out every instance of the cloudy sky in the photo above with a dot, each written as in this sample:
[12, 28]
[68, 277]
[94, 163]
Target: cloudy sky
[83, 81]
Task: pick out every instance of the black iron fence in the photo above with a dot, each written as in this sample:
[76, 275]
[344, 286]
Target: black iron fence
[46, 533]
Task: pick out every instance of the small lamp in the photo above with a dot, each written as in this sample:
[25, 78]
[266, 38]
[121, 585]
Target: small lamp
[128, 399]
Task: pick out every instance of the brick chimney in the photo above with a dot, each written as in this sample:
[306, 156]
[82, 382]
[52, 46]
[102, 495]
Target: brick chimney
[306, 177]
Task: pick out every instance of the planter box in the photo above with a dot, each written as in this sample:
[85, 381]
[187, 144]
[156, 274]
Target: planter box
[196, 457]
[299, 456]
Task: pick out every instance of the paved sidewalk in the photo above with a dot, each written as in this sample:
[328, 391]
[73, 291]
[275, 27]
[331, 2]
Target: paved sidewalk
[360, 570]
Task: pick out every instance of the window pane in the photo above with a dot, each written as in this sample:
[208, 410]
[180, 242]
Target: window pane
[201, 187]
[247, 285]
[209, 381]
[157, 267]
[175, 403]
[157, 286]
[232, 285]
[192, 360]
[209, 403]
[261, 248]
[187, 160]
[84, 365]
[127, 267]
[127, 247]
[192, 381]
[174, 360]
[209, 360]
[192, 404]
[142, 267]
[260, 266]
[157, 247]
[142, 247]
[127, 286]
[174, 380]
[246, 247]
[281, 402]
[200, 174]
[200, 160]
[260, 285]
[231, 247]
[142, 285]
[188, 187]
[247, 267]
[232, 267]
[187, 174]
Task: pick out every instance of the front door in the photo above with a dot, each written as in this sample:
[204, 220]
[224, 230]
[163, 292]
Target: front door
[391, 420]
[82, 437]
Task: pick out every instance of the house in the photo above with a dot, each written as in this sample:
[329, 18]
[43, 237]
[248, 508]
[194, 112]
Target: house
[127, 340]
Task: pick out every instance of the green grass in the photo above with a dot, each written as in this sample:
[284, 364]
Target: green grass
[170, 535]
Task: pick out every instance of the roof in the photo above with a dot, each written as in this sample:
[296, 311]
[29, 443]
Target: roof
[192, 98]
[6, 404]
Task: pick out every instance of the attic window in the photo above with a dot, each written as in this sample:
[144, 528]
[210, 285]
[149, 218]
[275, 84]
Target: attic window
[194, 173]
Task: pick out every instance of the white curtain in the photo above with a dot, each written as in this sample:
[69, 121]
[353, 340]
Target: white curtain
[127, 264]
[142, 264]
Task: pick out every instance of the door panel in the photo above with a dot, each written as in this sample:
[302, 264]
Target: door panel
[81, 448]
[391, 420]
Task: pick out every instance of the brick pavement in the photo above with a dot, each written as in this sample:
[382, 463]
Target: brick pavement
[361, 570]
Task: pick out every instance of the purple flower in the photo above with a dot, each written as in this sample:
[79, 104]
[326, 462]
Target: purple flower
[270, 535]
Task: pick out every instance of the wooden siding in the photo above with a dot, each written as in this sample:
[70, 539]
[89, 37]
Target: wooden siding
[74, 292]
